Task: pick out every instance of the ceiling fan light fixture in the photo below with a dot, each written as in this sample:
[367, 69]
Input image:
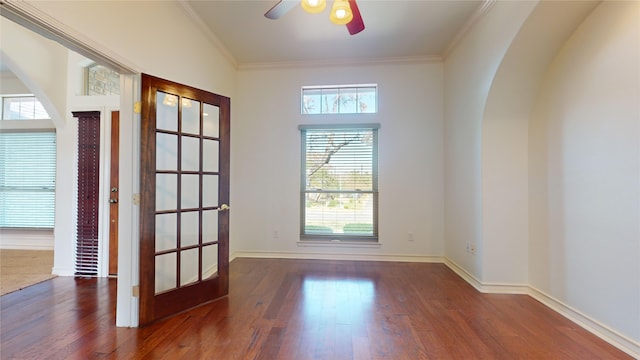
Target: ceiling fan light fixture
[341, 13]
[314, 6]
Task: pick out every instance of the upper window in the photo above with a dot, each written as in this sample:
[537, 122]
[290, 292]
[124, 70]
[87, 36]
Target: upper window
[346, 99]
[101, 81]
[339, 182]
[23, 107]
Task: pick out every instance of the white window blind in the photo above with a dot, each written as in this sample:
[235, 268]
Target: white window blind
[339, 197]
[27, 179]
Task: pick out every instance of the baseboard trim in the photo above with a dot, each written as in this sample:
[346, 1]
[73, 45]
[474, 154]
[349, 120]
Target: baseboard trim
[604, 332]
[620, 341]
[487, 288]
[337, 256]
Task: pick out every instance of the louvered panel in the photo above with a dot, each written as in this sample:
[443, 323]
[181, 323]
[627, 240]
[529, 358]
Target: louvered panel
[87, 246]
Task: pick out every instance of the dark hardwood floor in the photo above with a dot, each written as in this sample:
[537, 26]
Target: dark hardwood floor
[300, 309]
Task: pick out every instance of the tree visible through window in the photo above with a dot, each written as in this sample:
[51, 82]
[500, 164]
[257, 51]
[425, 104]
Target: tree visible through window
[339, 196]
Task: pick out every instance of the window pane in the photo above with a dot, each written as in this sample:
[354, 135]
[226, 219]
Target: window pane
[339, 213]
[348, 101]
[27, 179]
[339, 99]
[339, 186]
[23, 108]
[330, 101]
[311, 101]
[367, 100]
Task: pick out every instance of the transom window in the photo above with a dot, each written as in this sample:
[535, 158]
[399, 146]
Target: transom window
[339, 182]
[344, 99]
[23, 107]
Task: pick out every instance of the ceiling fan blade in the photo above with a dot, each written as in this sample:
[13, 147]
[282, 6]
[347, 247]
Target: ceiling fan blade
[356, 25]
[280, 8]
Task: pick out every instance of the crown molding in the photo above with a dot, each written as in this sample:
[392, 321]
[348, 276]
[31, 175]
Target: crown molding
[481, 11]
[215, 41]
[342, 62]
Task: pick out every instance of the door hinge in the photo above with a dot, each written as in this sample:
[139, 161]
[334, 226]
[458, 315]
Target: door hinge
[137, 107]
[135, 291]
[136, 199]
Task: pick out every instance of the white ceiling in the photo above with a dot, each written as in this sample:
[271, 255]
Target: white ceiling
[395, 29]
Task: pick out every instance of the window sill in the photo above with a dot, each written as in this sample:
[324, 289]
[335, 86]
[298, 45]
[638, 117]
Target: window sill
[339, 243]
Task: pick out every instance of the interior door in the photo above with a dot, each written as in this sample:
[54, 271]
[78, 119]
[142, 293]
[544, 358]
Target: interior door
[113, 191]
[184, 250]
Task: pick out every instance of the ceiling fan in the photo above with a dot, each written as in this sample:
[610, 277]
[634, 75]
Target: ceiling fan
[340, 14]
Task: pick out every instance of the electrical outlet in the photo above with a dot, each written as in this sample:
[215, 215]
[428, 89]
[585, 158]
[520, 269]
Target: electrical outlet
[473, 248]
[410, 237]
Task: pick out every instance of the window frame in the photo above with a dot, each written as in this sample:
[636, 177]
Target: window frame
[355, 88]
[304, 236]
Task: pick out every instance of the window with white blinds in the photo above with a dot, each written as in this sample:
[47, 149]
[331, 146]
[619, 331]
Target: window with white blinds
[27, 179]
[339, 182]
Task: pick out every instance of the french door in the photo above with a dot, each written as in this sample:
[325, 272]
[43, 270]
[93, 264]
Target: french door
[184, 251]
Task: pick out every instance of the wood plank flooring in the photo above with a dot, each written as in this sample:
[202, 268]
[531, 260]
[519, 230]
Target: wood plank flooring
[300, 309]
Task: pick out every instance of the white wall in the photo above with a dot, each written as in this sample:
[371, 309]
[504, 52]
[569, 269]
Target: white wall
[468, 74]
[265, 186]
[505, 127]
[585, 172]
[45, 79]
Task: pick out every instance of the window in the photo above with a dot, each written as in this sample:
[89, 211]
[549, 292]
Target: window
[346, 99]
[27, 179]
[23, 107]
[339, 182]
[101, 81]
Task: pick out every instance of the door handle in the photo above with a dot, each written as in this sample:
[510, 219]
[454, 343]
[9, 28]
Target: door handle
[223, 207]
[113, 201]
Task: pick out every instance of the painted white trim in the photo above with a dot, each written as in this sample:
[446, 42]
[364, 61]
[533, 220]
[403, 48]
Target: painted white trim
[337, 256]
[127, 306]
[604, 332]
[477, 15]
[487, 288]
[342, 62]
[215, 41]
[36, 20]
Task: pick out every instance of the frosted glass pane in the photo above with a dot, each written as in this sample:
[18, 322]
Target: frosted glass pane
[209, 190]
[190, 154]
[211, 119]
[209, 261]
[209, 226]
[166, 152]
[188, 267]
[190, 194]
[166, 232]
[190, 116]
[210, 155]
[189, 227]
[166, 191]
[166, 111]
[166, 272]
